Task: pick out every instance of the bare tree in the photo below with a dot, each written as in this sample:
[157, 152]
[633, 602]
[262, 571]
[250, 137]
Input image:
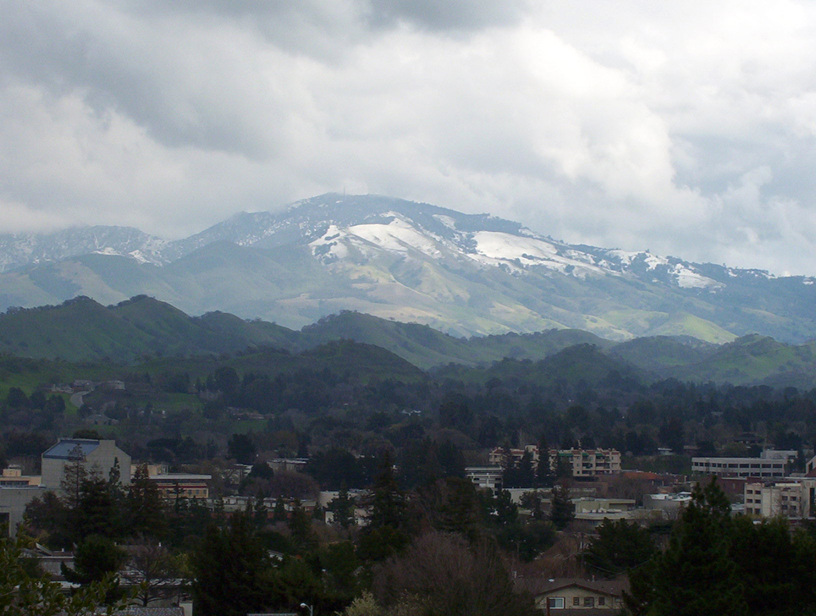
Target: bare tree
[152, 570]
[441, 574]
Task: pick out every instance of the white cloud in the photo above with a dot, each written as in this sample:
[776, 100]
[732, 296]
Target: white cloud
[685, 128]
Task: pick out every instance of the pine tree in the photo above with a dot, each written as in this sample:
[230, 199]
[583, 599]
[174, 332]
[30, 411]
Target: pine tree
[300, 527]
[342, 507]
[386, 503]
[146, 513]
[74, 473]
[694, 576]
[96, 512]
[279, 511]
[562, 510]
[618, 546]
[232, 571]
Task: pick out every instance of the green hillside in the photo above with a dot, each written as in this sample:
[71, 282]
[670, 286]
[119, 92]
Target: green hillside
[81, 330]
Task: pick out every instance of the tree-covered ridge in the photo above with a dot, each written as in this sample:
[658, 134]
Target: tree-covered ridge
[126, 333]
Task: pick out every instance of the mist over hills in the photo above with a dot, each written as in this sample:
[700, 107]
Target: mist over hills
[461, 274]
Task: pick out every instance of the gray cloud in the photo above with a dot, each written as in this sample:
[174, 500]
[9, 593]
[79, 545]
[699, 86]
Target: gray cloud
[686, 129]
[451, 15]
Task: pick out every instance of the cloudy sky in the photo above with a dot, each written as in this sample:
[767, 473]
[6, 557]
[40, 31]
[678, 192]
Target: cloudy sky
[686, 128]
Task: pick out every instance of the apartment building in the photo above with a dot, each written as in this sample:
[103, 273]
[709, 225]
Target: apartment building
[507, 457]
[587, 462]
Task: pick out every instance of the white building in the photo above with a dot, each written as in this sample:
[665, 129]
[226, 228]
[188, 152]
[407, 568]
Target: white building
[485, 476]
[95, 455]
[764, 468]
[793, 497]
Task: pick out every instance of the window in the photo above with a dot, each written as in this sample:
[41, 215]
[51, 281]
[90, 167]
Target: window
[601, 600]
[576, 600]
[589, 601]
[555, 603]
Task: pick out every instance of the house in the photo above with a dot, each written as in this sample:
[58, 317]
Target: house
[566, 596]
[94, 454]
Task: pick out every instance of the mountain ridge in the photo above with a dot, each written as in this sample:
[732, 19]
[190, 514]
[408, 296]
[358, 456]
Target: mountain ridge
[413, 262]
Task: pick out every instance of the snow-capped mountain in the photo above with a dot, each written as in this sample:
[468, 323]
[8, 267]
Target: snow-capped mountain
[22, 249]
[465, 274]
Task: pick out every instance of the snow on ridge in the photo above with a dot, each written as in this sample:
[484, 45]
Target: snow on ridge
[328, 248]
[689, 279]
[519, 252]
[397, 236]
[626, 256]
[653, 260]
[446, 220]
[498, 245]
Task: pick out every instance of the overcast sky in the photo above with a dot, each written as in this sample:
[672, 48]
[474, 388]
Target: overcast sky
[683, 127]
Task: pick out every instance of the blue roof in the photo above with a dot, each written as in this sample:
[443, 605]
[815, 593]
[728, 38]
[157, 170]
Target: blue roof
[62, 449]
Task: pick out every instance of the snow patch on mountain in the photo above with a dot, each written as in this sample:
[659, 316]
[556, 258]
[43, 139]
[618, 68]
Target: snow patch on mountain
[397, 236]
[446, 220]
[521, 252]
[689, 279]
[328, 248]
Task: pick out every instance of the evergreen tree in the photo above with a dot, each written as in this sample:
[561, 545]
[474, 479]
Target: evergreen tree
[386, 504]
[232, 571]
[385, 533]
[562, 510]
[618, 547]
[74, 473]
[342, 508]
[261, 511]
[694, 576]
[96, 513]
[279, 511]
[146, 509]
[300, 527]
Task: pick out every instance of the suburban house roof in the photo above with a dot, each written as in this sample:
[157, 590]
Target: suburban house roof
[63, 449]
[541, 586]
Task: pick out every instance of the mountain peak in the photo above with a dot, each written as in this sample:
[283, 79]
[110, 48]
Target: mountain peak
[462, 273]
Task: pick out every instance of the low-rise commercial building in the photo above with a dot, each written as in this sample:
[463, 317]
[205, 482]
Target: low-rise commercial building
[770, 468]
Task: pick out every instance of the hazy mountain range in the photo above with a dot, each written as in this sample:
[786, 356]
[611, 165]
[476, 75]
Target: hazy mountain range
[411, 262]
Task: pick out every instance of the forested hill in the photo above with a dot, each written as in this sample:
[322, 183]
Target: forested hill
[83, 330]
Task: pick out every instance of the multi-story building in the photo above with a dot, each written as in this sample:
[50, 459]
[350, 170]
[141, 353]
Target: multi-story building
[485, 476]
[794, 497]
[763, 468]
[586, 462]
[507, 457]
[95, 455]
